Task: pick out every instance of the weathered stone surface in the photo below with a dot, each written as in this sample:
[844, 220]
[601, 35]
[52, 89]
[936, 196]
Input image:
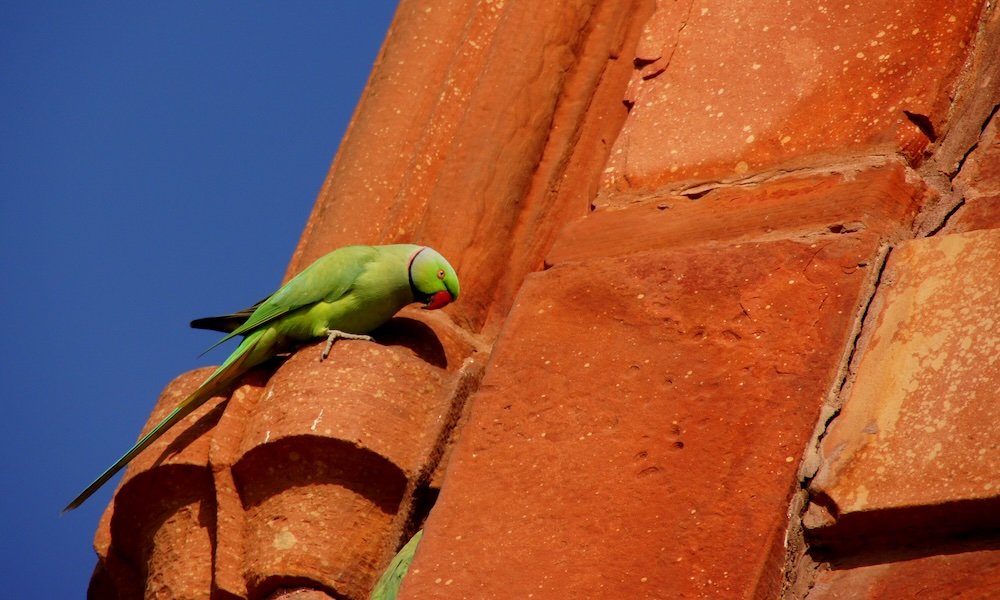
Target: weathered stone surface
[640, 423]
[962, 576]
[457, 144]
[326, 460]
[981, 212]
[724, 90]
[188, 441]
[299, 594]
[979, 184]
[373, 398]
[974, 100]
[156, 535]
[160, 550]
[882, 200]
[228, 556]
[303, 480]
[917, 432]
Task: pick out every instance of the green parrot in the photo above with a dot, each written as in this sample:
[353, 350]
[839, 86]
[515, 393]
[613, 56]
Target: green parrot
[391, 580]
[345, 294]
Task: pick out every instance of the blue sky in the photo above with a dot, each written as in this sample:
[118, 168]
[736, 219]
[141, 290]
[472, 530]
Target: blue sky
[158, 162]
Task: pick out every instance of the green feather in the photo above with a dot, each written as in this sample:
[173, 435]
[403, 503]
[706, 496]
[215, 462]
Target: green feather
[353, 290]
[328, 279]
[387, 587]
[235, 365]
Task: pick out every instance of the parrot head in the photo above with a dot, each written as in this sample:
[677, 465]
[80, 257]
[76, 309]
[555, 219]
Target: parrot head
[432, 280]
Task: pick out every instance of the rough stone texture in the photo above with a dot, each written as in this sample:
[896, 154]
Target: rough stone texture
[880, 200]
[667, 379]
[982, 212]
[723, 90]
[672, 219]
[153, 538]
[975, 97]
[325, 461]
[299, 594]
[979, 184]
[460, 145]
[963, 576]
[918, 429]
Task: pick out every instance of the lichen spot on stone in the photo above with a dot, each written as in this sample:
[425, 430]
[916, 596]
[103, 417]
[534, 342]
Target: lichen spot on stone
[284, 540]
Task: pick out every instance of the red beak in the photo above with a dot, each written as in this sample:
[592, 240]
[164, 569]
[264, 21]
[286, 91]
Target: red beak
[438, 300]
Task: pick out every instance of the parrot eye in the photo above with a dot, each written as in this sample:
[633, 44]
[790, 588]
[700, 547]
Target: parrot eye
[440, 273]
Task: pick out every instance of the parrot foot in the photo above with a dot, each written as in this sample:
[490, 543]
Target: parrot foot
[333, 335]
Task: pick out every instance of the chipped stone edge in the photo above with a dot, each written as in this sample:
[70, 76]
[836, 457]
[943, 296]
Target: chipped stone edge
[945, 160]
[800, 569]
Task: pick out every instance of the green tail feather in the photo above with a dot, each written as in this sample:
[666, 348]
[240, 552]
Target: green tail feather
[233, 367]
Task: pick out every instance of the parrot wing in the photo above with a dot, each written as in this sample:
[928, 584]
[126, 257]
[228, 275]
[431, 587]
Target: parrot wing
[326, 280]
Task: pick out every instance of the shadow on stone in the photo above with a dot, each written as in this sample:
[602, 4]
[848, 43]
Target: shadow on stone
[156, 510]
[416, 337]
[305, 461]
[257, 376]
[907, 533]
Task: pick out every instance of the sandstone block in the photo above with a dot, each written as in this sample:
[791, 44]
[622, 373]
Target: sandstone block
[721, 91]
[640, 423]
[881, 200]
[970, 575]
[914, 451]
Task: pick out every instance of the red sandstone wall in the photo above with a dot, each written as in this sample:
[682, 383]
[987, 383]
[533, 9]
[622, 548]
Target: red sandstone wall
[728, 326]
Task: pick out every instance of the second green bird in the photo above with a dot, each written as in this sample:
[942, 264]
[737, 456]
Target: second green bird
[345, 294]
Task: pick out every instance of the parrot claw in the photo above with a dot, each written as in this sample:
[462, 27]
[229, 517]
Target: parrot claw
[333, 335]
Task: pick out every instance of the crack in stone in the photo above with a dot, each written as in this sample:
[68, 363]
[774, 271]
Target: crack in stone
[654, 67]
[800, 567]
[859, 164]
[944, 220]
[419, 497]
[944, 183]
[982, 129]
[846, 375]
